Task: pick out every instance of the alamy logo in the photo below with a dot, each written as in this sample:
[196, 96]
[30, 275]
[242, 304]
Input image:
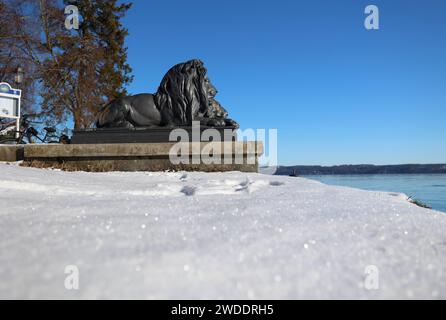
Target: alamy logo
[372, 20]
[371, 281]
[228, 152]
[72, 278]
[72, 19]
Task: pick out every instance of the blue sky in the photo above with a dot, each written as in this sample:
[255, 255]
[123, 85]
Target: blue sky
[336, 92]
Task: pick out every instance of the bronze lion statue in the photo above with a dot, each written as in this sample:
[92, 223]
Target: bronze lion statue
[185, 94]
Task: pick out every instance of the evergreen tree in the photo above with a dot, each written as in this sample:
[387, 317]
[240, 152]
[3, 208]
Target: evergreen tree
[103, 22]
[69, 74]
[84, 68]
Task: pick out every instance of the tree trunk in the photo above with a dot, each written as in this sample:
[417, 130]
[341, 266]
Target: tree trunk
[77, 119]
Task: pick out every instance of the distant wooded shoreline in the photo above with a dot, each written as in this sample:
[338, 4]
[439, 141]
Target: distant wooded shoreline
[362, 169]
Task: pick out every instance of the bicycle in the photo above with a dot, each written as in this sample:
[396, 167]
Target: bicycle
[29, 132]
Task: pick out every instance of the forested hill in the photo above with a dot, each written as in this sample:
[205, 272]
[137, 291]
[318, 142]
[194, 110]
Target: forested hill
[363, 169]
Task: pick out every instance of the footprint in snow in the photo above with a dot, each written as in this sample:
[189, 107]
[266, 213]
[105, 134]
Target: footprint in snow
[276, 183]
[189, 190]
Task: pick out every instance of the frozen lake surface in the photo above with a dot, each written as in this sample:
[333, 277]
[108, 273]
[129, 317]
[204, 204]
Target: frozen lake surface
[428, 188]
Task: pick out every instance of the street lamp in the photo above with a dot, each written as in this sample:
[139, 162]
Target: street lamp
[19, 76]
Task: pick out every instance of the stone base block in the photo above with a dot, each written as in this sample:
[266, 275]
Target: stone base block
[11, 153]
[226, 156]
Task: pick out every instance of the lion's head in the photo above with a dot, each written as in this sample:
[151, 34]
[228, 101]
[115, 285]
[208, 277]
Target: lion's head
[183, 91]
[188, 94]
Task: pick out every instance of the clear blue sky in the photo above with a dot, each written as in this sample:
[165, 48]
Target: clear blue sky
[337, 93]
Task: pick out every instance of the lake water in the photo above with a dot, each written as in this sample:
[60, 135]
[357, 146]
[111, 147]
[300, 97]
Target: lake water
[427, 188]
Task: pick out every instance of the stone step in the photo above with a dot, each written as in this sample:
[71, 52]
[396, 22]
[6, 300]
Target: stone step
[224, 156]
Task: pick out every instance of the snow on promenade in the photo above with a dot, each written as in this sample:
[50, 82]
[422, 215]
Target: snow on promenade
[211, 236]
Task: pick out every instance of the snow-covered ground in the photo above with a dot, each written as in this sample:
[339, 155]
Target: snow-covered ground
[211, 236]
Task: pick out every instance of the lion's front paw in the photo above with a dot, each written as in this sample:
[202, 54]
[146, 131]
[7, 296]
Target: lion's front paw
[231, 123]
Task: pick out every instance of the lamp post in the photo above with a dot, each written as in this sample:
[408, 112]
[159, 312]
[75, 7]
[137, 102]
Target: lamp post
[20, 74]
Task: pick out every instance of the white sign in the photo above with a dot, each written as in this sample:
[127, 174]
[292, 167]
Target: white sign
[8, 107]
[10, 103]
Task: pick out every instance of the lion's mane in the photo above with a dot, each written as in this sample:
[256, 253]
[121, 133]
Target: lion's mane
[182, 94]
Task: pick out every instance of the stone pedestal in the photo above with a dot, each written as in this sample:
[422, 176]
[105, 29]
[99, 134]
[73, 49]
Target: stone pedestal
[225, 156]
[147, 135]
[11, 153]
